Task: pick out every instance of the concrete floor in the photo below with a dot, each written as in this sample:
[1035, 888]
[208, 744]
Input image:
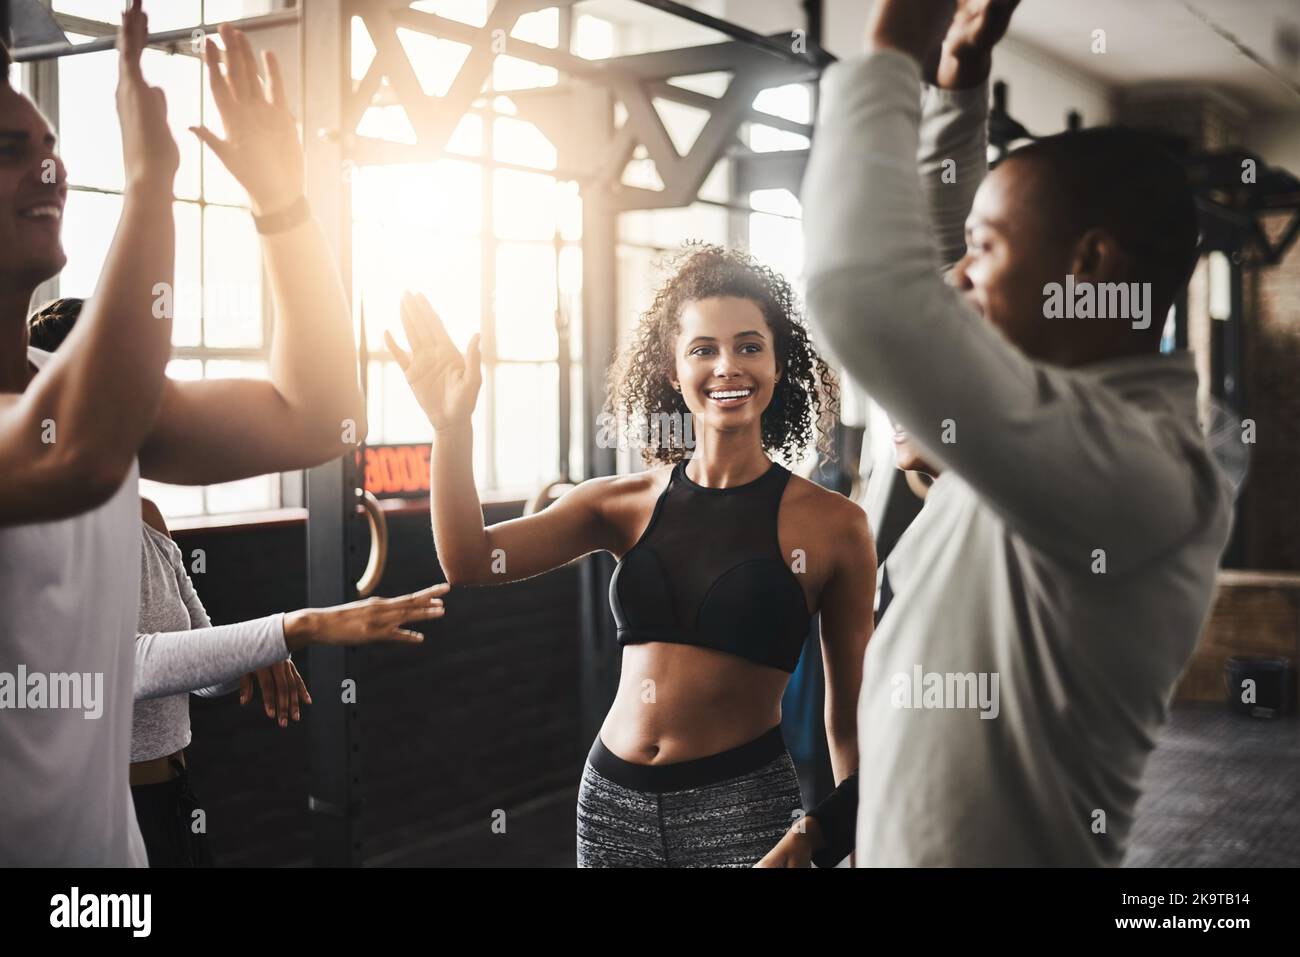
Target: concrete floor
[1220, 790]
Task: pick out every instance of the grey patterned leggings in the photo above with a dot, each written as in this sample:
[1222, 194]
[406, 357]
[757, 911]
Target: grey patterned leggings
[724, 810]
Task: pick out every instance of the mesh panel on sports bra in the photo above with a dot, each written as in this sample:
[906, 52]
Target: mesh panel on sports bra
[708, 571]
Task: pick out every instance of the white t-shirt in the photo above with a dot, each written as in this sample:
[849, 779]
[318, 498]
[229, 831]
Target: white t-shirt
[69, 602]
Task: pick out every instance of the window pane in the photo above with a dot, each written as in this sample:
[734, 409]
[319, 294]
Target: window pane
[188, 303]
[514, 141]
[247, 495]
[570, 210]
[363, 49]
[185, 370]
[178, 77]
[527, 426]
[792, 102]
[218, 185]
[473, 12]
[215, 11]
[541, 27]
[89, 221]
[404, 420]
[441, 196]
[513, 73]
[436, 61]
[375, 405]
[683, 123]
[593, 38]
[387, 123]
[92, 146]
[443, 266]
[576, 425]
[768, 139]
[571, 296]
[232, 280]
[236, 369]
[776, 240]
[163, 14]
[173, 500]
[526, 205]
[525, 301]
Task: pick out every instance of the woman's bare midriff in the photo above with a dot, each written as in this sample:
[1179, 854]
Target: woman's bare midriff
[679, 702]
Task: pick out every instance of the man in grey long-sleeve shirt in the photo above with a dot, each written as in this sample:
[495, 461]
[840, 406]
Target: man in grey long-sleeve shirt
[1052, 589]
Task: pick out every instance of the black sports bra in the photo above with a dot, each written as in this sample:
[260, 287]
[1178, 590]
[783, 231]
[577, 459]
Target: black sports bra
[708, 571]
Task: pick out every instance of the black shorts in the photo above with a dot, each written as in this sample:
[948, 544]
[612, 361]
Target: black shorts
[167, 821]
[724, 810]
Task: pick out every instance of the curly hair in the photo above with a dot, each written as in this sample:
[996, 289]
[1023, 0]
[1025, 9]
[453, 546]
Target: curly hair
[805, 398]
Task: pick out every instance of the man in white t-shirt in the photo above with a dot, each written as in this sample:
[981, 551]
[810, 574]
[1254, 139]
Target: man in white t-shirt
[1054, 586]
[79, 427]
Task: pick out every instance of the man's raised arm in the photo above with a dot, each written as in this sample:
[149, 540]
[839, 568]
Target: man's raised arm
[68, 441]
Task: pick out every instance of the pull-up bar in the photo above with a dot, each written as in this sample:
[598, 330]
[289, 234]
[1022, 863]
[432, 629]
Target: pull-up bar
[49, 51]
[814, 53]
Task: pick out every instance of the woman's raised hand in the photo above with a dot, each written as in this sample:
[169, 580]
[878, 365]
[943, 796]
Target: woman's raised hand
[261, 147]
[445, 383]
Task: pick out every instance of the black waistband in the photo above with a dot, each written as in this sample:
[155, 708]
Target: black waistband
[684, 775]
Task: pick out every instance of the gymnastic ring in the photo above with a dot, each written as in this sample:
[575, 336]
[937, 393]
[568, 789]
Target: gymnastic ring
[369, 579]
[539, 501]
[919, 484]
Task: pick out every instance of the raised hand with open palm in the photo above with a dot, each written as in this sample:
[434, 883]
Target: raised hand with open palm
[445, 382]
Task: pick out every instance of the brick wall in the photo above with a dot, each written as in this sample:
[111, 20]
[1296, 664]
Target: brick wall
[1271, 327]
[1254, 614]
[483, 716]
[1272, 518]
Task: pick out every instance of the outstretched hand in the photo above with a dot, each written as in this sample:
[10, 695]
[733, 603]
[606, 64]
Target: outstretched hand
[445, 382]
[261, 147]
[366, 621]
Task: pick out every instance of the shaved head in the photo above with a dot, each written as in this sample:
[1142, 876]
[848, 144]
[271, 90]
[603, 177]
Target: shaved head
[1124, 182]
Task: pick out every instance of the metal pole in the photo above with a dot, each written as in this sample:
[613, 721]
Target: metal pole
[47, 51]
[736, 32]
[333, 723]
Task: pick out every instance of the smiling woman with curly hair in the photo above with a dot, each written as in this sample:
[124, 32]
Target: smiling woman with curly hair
[724, 557]
[805, 399]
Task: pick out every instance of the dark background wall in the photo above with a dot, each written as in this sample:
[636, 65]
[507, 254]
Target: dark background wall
[481, 718]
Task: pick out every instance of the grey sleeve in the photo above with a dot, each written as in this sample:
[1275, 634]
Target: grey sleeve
[1039, 444]
[952, 161]
[172, 662]
[199, 619]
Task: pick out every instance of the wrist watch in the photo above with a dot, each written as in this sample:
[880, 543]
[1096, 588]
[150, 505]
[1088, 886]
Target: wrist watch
[296, 213]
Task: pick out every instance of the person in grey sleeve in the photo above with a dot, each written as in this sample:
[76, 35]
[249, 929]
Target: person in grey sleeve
[1056, 582]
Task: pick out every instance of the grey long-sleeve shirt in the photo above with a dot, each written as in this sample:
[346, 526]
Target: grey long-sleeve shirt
[1055, 584]
[178, 650]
